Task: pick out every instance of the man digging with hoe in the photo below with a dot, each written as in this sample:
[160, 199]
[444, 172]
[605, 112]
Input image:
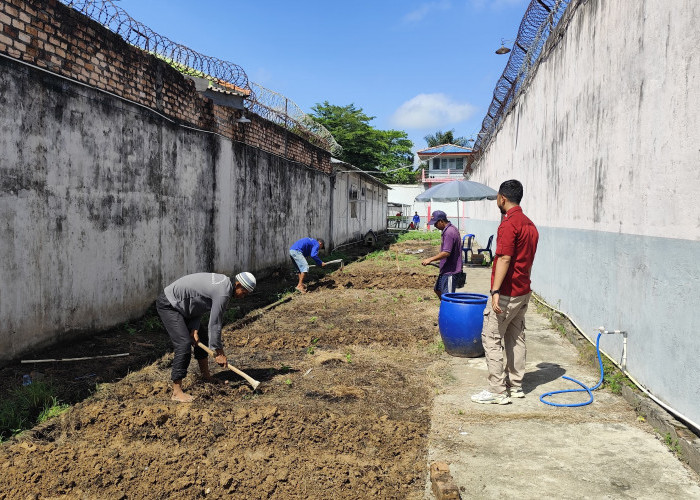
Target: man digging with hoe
[299, 251]
[181, 307]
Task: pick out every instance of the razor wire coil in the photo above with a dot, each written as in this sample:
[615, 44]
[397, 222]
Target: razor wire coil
[540, 19]
[264, 102]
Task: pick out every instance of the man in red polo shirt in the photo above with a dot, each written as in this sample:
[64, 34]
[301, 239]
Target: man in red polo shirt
[504, 330]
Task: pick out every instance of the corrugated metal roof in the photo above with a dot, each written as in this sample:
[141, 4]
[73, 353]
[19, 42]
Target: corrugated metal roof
[336, 163]
[444, 149]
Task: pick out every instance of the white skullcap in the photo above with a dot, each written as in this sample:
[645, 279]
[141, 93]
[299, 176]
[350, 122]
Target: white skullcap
[246, 280]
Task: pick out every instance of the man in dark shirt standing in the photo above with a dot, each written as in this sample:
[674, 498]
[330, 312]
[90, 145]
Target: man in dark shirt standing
[504, 330]
[450, 255]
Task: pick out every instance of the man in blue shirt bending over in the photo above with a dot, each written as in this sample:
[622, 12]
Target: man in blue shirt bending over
[305, 247]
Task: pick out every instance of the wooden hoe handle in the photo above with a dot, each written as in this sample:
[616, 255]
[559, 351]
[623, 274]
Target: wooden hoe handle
[254, 383]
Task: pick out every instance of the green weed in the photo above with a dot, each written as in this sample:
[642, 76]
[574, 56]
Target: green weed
[26, 406]
[433, 236]
[437, 347]
[672, 444]
[312, 348]
[54, 410]
[152, 324]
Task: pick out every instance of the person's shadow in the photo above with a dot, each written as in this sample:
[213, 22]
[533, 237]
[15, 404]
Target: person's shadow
[546, 372]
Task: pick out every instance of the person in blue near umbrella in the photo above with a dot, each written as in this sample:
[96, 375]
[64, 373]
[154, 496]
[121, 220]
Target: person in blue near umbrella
[416, 221]
[450, 255]
[305, 247]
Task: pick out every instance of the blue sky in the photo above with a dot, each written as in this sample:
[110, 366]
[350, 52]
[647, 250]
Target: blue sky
[417, 66]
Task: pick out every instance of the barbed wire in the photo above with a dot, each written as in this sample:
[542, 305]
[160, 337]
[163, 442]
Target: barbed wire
[277, 108]
[538, 23]
[264, 102]
[139, 35]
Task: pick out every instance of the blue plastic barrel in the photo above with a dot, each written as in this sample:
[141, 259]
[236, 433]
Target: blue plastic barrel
[461, 319]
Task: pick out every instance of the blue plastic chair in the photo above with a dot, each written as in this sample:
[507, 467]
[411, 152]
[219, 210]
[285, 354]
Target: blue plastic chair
[468, 247]
[487, 249]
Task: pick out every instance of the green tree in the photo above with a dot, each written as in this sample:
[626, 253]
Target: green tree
[448, 137]
[386, 152]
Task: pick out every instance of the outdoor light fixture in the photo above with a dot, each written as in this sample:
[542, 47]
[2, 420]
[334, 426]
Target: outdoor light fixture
[503, 49]
[243, 120]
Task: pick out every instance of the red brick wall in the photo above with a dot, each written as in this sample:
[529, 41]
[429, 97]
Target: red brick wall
[52, 36]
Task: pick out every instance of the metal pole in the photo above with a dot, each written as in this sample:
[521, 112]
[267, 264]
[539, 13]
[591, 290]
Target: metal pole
[458, 221]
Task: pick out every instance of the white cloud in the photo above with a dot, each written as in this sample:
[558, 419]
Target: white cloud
[422, 12]
[431, 110]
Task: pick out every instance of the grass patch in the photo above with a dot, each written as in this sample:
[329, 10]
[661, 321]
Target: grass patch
[613, 378]
[672, 443]
[27, 406]
[437, 347]
[390, 255]
[433, 236]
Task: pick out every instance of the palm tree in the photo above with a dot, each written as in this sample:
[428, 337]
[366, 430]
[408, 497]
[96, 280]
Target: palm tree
[441, 137]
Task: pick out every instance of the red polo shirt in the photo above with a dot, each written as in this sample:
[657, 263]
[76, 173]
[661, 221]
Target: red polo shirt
[517, 237]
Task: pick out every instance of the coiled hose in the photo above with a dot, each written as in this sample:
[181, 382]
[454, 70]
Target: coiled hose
[585, 388]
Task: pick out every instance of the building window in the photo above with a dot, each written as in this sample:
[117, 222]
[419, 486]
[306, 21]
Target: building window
[448, 163]
[353, 194]
[353, 210]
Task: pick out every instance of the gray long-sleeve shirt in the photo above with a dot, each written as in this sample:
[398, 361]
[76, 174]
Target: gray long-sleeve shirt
[195, 294]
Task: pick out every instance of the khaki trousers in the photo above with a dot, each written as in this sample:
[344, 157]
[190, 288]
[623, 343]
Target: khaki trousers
[503, 337]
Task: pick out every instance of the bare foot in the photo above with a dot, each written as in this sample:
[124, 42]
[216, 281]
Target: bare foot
[182, 398]
[301, 289]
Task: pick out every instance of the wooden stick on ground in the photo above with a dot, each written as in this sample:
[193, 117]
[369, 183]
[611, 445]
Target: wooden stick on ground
[254, 383]
[74, 359]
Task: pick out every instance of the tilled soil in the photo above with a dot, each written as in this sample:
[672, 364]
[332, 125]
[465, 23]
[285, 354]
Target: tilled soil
[342, 410]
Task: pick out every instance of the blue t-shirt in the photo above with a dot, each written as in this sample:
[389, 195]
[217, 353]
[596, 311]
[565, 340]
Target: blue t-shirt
[309, 247]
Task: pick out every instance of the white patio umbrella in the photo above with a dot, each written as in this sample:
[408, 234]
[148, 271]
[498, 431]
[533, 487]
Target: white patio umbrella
[459, 190]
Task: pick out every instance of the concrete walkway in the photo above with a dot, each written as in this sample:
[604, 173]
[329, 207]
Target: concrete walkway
[531, 450]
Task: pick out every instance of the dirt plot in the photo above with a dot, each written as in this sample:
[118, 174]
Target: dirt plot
[342, 411]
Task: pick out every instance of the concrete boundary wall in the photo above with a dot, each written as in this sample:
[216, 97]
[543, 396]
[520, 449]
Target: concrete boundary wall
[605, 141]
[104, 202]
[117, 176]
[57, 38]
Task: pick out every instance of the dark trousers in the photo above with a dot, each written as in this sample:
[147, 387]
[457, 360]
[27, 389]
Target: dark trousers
[179, 329]
[445, 283]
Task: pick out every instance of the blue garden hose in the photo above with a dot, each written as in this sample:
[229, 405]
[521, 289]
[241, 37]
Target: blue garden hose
[589, 390]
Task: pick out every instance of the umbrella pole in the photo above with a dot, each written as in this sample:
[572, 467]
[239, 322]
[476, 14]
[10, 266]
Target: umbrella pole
[459, 225]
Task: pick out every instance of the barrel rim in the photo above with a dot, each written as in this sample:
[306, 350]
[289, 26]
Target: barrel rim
[465, 298]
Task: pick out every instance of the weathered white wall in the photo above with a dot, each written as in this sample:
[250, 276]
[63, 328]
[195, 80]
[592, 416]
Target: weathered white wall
[606, 140]
[103, 203]
[370, 208]
[265, 204]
